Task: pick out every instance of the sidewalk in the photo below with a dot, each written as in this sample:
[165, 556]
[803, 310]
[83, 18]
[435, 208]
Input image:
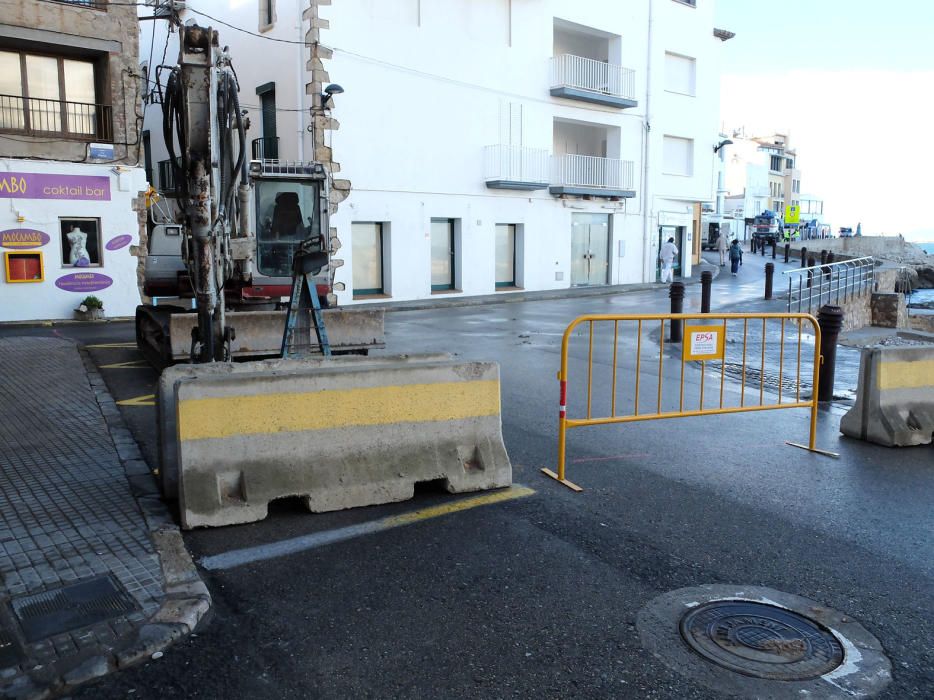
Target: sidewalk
[95, 575]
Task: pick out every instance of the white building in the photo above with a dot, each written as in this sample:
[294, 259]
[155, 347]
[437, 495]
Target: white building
[490, 146]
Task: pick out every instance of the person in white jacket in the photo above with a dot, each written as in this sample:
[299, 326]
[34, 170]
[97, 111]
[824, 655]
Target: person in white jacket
[667, 255]
[722, 248]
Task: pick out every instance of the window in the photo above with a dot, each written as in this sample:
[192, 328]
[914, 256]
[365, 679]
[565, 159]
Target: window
[267, 14]
[775, 163]
[678, 156]
[789, 163]
[286, 214]
[505, 255]
[367, 240]
[81, 242]
[680, 74]
[42, 94]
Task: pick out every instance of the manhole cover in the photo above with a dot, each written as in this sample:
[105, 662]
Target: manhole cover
[762, 641]
[68, 608]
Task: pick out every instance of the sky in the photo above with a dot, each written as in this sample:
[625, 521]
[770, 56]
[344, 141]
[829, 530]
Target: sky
[852, 83]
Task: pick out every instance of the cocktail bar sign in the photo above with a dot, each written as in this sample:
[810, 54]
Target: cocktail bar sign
[54, 186]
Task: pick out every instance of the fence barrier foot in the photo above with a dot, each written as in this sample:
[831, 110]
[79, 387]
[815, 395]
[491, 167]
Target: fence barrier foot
[571, 485]
[820, 452]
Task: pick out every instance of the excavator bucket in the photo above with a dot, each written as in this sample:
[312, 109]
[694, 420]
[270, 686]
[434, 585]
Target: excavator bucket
[338, 433]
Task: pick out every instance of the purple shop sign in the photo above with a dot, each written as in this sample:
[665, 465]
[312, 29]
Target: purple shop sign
[119, 242]
[54, 186]
[23, 238]
[83, 282]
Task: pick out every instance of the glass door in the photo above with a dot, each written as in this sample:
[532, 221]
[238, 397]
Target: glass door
[590, 239]
[664, 233]
[367, 244]
[505, 255]
[442, 254]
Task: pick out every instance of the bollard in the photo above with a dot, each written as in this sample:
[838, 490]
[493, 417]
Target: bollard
[752, 245]
[706, 279]
[830, 320]
[676, 292]
[829, 256]
[823, 257]
[762, 247]
[774, 248]
[804, 257]
[769, 271]
[787, 252]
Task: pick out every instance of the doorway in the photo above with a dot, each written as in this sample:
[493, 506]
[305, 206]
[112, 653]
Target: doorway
[664, 233]
[590, 249]
[442, 255]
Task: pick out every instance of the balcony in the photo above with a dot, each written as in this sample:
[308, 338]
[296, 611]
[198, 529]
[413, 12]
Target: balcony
[592, 176]
[266, 148]
[37, 117]
[516, 167]
[590, 80]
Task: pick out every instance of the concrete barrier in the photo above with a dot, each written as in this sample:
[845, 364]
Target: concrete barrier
[338, 433]
[895, 400]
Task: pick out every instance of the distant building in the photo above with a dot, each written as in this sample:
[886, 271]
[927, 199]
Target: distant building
[70, 185]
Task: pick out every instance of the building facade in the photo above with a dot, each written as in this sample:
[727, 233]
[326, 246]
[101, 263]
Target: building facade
[70, 117]
[486, 147]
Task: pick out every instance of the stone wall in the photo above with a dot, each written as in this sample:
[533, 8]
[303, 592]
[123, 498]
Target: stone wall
[921, 322]
[889, 310]
[111, 36]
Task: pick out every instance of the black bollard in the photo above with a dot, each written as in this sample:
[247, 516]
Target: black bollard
[823, 257]
[787, 252]
[769, 271]
[762, 248]
[706, 279]
[676, 292]
[752, 245]
[830, 320]
[804, 257]
[774, 248]
[829, 256]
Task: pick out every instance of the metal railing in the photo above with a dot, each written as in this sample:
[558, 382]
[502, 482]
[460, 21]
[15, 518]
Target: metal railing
[765, 350]
[95, 4]
[811, 287]
[591, 171]
[516, 163]
[31, 115]
[266, 148]
[582, 73]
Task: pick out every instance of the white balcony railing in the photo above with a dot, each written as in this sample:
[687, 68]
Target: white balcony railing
[516, 164]
[594, 76]
[590, 171]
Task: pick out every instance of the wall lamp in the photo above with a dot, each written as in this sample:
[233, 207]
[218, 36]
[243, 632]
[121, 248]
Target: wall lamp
[327, 101]
[724, 142]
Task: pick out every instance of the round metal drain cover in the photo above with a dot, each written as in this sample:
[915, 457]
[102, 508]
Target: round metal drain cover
[762, 641]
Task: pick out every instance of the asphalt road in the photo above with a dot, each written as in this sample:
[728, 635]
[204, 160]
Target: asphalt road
[538, 596]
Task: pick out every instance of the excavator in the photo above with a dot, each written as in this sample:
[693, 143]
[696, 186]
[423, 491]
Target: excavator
[224, 240]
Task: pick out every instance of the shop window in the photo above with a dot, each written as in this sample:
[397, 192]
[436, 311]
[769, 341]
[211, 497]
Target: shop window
[81, 242]
[368, 246]
[24, 266]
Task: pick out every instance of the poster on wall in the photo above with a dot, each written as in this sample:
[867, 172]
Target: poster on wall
[83, 282]
[54, 186]
[23, 238]
[119, 242]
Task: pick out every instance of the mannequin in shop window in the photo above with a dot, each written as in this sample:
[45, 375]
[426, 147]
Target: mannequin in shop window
[78, 241]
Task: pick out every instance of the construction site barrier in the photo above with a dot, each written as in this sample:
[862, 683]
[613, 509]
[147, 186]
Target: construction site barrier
[337, 433]
[717, 344]
[895, 399]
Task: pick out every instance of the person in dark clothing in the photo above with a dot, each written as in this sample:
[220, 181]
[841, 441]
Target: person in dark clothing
[736, 257]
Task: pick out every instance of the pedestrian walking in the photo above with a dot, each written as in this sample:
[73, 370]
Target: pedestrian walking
[722, 249]
[667, 255]
[736, 257]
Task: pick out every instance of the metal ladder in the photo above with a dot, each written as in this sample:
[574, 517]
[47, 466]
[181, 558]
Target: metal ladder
[304, 310]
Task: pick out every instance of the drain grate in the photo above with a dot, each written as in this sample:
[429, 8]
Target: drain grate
[68, 608]
[10, 653]
[768, 379]
[762, 641]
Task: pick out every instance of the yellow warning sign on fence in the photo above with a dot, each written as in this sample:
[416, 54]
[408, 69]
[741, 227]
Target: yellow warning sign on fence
[702, 343]
[792, 214]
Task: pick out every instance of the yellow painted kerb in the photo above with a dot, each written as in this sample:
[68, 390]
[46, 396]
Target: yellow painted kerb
[200, 419]
[906, 375]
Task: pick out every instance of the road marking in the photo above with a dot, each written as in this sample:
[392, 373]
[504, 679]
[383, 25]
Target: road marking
[112, 345]
[132, 364]
[250, 555]
[144, 400]
[632, 455]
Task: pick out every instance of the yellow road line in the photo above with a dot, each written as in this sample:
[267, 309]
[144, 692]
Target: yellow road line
[144, 400]
[272, 550]
[200, 419]
[132, 364]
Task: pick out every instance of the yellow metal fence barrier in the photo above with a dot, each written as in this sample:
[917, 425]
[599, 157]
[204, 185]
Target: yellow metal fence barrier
[706, 339]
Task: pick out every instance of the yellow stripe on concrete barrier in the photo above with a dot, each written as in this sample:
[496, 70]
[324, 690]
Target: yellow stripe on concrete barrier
[904, 375]
[259, 414]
